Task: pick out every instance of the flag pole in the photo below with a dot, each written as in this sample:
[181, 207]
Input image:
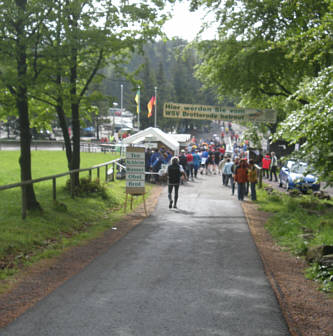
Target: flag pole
[138, 108]
[155, 119]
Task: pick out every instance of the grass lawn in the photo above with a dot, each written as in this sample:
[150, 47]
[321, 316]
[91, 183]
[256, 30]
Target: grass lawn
[298, 224]
[63, 223]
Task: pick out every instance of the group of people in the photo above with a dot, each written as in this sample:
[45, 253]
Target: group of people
[208, 158]
[236, 171]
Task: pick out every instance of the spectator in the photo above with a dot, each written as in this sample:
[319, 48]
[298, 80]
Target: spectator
[266, 162]
[241, 178]
[196, 162]
[227, 172]
[273, 167]
[253, 179]
[183, 161]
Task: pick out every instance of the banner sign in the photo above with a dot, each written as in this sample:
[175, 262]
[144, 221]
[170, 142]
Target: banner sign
[209, 112]
[135, 170]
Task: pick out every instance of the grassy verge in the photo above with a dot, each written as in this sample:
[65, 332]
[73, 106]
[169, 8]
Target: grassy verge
[64, 223]
[298, 224]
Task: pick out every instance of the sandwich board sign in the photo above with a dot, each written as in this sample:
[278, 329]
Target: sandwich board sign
[135, 170]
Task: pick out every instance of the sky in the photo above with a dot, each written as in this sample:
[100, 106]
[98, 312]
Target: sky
[186, 24]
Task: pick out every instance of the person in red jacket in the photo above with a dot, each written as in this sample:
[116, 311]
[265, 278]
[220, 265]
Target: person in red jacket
[266, 162]
[190, 165]
[241, 177]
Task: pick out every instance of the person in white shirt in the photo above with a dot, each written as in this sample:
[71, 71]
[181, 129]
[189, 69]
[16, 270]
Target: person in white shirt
[227, 172]
[273, 167]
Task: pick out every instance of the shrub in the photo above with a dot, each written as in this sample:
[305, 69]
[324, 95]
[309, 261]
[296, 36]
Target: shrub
[88, 188]
[291, 204]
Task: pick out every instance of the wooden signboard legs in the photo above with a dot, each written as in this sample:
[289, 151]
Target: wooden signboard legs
[131, 201]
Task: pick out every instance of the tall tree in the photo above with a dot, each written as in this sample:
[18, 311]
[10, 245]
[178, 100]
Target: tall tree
[20, 26]
[77, 46]
[255, 57]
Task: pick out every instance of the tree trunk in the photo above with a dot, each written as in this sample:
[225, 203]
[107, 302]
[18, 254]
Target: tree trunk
[28, 193]
[64, 127]
[75, 162]
[76, 142]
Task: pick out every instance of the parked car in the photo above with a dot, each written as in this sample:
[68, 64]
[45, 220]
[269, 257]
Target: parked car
[295, 175]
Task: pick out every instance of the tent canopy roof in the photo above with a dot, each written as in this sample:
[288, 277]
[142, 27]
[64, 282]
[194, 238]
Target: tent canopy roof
[152, 134]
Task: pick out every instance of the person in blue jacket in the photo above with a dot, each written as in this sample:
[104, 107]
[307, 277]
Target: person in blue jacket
[196, 162]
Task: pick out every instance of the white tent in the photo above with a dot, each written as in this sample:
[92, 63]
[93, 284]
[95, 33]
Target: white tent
[152, 134]
[182, 139]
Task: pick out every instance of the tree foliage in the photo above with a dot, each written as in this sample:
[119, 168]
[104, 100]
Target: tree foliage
[260, 56]
[312, 124]
[169, 66]
[277, 54]
[52, 51]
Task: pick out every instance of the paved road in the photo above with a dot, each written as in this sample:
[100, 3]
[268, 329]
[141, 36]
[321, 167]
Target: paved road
[188, 271]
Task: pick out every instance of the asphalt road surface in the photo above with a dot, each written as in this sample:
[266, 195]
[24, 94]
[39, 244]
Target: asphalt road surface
[188, 271]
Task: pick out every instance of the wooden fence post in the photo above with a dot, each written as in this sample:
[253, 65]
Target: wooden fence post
[72, 185]
[113, 171]
[24, 203]
[54, 185]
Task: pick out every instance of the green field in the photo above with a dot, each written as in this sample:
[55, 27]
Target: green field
[44, 163]
[60, 224]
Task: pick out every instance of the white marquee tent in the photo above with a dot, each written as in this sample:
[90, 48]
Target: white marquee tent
[152, 134]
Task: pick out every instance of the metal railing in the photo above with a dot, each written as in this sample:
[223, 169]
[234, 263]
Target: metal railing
[90, 147]
[108, 177]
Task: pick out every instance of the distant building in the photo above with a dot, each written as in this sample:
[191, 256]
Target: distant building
[116, 119]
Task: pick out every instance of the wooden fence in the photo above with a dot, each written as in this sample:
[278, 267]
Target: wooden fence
[109, 176]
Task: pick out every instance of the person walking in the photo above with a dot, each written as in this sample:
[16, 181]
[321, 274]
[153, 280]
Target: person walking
[227, 172]
[183, 162]
[253, 179]
[241, 178]
[175, 172]
[217, 155]
[204, 159]
[273, 167]
[233, 170]
[266, 162]
[196, 162]
[190, 165]
[221, 168]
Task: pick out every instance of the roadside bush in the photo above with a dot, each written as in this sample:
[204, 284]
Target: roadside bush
[88, 188]
[321, 274]
[291, 204]
[298, 224]
[274, 197]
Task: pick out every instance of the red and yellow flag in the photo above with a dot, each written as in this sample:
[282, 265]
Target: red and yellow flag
[137, 100]
[150, 106]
